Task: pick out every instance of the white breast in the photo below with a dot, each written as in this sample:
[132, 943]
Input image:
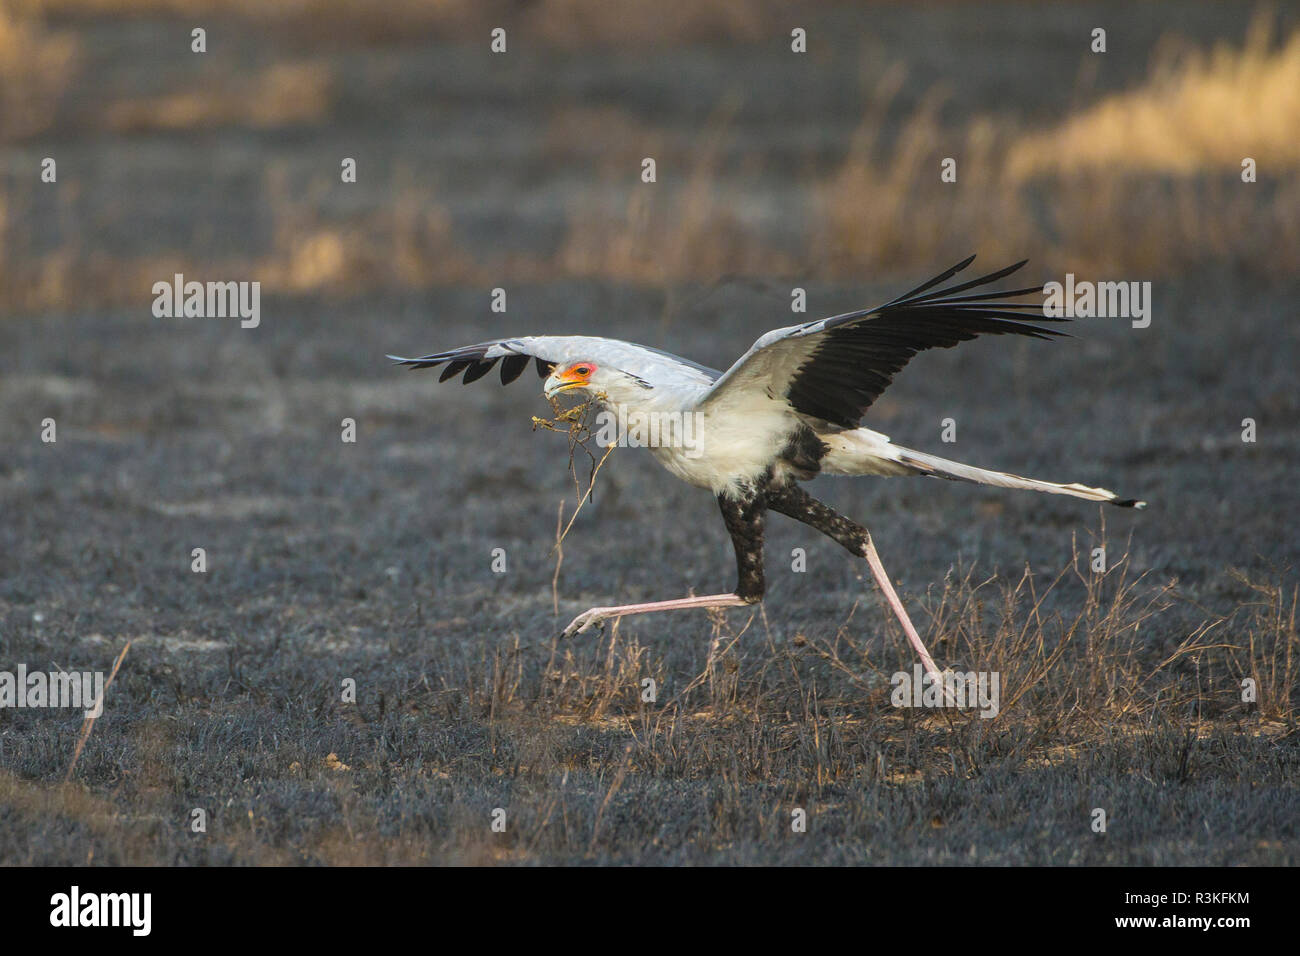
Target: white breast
[722, 448]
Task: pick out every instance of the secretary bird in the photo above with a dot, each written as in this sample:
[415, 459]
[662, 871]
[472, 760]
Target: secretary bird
[787, 410]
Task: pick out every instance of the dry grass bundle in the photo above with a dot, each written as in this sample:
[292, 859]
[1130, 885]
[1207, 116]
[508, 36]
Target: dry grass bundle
[576, 424]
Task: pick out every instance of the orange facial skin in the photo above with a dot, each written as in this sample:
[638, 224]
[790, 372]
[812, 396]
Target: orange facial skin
[575, 376]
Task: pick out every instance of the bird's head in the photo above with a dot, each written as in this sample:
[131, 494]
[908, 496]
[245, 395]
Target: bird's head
[588, 376]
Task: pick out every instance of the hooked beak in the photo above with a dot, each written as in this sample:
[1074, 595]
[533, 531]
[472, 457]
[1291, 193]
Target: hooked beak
[556, 384]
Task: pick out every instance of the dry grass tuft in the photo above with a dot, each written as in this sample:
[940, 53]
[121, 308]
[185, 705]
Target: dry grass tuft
[1273, 660]
[286, 94]
[1145, 183]
[1197, 112]
[682, 228]
[885, 206]
[36, 66]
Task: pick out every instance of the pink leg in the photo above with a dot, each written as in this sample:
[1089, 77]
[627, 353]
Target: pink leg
[793, 501]
[598, 614]
[891, 596]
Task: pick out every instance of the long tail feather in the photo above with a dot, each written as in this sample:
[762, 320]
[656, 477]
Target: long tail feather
[865, 452]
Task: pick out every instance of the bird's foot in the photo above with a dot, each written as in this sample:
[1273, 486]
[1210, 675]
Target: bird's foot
[596, 616]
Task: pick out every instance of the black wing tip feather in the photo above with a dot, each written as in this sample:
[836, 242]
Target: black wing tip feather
[1130, 503]
[426, 361]
[931, 283]
[986, 310]
[982, 303]
[861, 352]
[408, 362]
[916, 297]
[474, 363]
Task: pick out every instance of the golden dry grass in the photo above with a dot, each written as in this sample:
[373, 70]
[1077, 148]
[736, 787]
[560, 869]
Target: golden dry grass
[1198, 112]
[285, 94]
[1143, 183]
[35, 68]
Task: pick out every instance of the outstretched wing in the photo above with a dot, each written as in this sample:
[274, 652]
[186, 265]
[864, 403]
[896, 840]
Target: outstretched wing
[477, 360]
[652, 366]
[833, 369]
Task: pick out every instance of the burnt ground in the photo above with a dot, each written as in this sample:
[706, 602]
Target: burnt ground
[371, 561]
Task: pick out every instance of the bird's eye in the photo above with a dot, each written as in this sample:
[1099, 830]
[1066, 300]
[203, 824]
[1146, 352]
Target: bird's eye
[583, 370]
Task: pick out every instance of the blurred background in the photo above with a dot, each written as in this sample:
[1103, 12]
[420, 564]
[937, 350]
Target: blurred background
[484, 169]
